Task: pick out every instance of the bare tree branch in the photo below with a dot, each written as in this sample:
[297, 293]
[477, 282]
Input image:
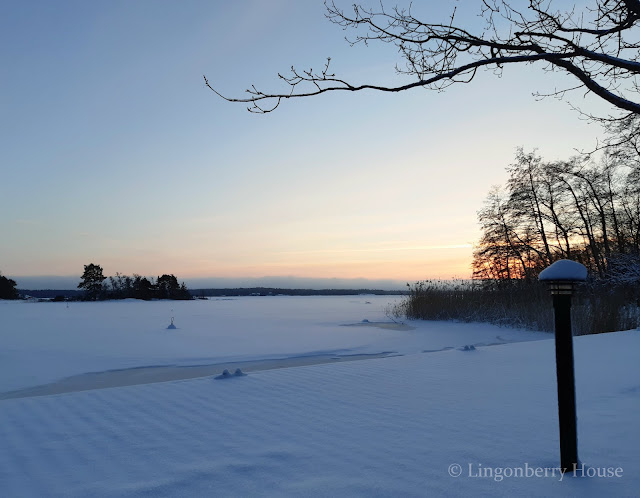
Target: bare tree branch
[598, 45]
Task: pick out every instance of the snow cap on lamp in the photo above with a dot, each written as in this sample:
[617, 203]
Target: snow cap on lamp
[562, 276]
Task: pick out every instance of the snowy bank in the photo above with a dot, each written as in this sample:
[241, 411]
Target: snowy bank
[425, 424]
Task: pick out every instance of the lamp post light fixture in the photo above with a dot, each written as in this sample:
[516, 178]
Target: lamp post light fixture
[561, 278]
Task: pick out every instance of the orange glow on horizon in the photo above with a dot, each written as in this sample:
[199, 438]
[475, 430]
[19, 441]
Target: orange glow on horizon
[443, 263]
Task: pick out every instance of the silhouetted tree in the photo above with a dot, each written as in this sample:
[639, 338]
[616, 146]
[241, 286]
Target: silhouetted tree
[120, 286]
[142, 288]
[168, 288]
[92, 281]
[8, 288]
[581, 209]
[502, 254]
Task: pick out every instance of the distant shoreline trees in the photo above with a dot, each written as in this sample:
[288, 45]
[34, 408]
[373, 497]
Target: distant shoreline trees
[124, 287]
[8, 288]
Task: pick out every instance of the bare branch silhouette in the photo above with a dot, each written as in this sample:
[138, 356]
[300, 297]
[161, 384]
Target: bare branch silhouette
[598, 45]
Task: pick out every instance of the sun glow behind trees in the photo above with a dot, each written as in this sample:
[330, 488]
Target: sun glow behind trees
[582, 209]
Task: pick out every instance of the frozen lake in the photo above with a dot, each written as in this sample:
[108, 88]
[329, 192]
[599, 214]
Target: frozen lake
[46, 342]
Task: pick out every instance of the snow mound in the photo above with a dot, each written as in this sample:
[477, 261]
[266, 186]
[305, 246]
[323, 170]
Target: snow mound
[227, 375]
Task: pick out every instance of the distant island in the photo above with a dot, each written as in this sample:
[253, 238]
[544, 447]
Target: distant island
[68, 294]
[273, 291]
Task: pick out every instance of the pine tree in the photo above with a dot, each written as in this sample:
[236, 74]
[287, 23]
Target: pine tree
[8, 288]
[92, 279]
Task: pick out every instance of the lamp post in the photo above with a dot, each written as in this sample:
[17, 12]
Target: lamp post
[561, 278]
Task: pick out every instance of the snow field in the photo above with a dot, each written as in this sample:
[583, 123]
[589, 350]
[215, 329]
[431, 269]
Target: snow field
[380, 427]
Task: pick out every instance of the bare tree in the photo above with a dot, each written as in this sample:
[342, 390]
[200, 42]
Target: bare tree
[597, 44]
[584, 209]
[505, 251]
[525, 196]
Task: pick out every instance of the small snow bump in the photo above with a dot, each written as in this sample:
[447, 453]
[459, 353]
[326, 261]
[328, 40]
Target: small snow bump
[224, 375]
[227, 375]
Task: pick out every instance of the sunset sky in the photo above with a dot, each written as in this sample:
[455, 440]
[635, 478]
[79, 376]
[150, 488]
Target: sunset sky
[114, 151]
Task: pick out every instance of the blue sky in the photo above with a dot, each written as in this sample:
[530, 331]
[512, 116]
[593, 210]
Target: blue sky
[114, 152]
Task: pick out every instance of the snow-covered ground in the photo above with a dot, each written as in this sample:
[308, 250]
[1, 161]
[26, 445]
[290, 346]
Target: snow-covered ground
[432, 420]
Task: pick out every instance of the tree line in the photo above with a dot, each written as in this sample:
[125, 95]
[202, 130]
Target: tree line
[586, 209]
[99, 287]
[581, 209]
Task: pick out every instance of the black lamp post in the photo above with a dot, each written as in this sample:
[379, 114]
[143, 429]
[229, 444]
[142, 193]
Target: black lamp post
[561, 278]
